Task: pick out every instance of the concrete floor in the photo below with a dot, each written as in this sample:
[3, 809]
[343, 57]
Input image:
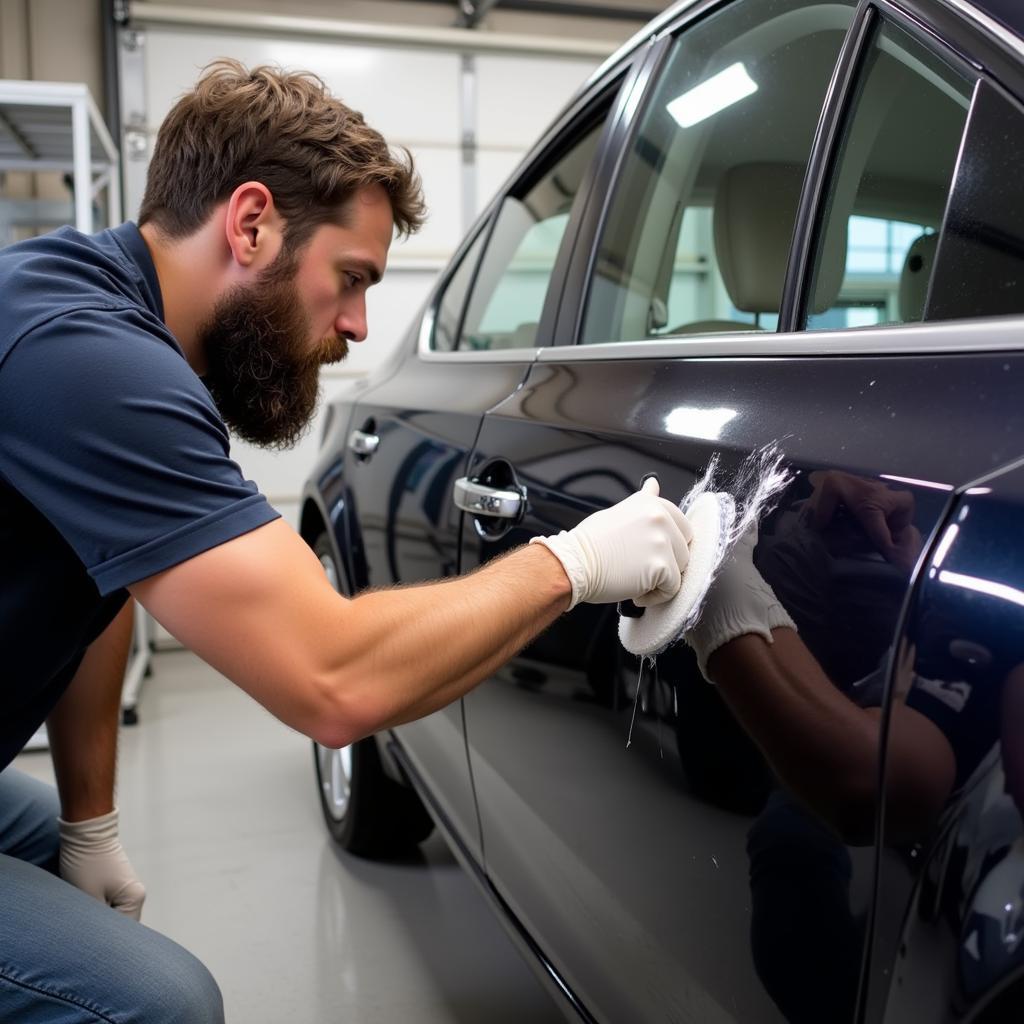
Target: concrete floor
[219, 815]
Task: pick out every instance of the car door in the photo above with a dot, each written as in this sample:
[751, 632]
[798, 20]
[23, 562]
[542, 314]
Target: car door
[948, 929]
[674, 855]
[948, 923]
[411, 434]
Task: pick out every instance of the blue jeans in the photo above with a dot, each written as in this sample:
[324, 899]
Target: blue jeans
[65, 958]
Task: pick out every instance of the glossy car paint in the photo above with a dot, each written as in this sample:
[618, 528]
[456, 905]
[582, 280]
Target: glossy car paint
[956, 898]
[675, 880]
[643, 859]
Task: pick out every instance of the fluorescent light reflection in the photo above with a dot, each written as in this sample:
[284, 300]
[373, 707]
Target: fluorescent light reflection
[706, 424]
[918, 483]
[715, 94]
[944, 545]
[990, 587]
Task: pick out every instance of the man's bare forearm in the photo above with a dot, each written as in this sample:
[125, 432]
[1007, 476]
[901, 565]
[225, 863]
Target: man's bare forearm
[824, 747]
[422, 647]
[817, 740]
[260, 610]
[83, 726]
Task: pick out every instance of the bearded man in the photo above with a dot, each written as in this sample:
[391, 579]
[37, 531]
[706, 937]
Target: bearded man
[125, 356]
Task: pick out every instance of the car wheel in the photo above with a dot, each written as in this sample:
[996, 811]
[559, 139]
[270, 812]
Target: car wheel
[367, 813]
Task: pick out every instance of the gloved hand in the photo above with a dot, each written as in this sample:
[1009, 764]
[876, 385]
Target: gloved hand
[93, 860]
[739, 602]
[635, 550]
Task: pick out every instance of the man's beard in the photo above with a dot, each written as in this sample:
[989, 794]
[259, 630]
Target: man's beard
[260, 371]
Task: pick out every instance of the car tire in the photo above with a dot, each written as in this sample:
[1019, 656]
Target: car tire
[367, 813]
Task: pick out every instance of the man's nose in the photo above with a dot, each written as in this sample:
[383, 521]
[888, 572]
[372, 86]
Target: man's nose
[351, 322]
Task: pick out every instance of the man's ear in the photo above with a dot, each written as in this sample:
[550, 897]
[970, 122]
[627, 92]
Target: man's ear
[254, 229]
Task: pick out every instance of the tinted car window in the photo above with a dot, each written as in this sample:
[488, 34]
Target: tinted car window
[979, 268]
[698, 234]
[888, 197]
[508, 293]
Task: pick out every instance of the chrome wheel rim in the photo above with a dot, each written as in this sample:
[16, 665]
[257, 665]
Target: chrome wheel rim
[330, 569]
[335, 779]
[335, 765]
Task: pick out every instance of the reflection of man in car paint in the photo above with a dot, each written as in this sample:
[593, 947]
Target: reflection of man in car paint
[822, 742]
[823, 738]
[269, 211]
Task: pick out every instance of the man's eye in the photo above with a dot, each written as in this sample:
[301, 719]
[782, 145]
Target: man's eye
[352, 280]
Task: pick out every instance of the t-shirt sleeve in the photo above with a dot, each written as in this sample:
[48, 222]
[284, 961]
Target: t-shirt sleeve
[111, 435]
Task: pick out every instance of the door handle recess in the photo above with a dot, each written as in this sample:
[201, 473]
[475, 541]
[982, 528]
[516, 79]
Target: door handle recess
[363, 443]
[483, 500]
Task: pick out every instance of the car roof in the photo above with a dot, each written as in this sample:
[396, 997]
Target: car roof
[1009, 12]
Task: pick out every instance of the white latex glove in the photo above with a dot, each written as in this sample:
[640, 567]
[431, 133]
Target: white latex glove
[93, 860]
[739, 602]
[635, 550]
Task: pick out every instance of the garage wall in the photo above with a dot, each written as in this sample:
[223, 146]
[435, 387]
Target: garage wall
[415, 97]
[50, 41]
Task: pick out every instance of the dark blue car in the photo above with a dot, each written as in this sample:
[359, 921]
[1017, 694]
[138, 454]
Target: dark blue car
[763, 221]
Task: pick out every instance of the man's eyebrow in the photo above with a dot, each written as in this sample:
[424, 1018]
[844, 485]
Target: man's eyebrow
[368, 267]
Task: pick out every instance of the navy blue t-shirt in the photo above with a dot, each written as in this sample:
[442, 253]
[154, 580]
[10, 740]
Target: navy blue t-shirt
[114, 462]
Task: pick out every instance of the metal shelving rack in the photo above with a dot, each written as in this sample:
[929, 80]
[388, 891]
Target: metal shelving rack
[55, 126]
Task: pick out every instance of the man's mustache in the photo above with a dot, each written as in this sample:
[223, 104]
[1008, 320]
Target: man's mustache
[333, 349]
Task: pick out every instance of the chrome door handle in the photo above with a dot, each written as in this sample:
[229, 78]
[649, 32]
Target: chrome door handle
[483, 500]
[362, 443]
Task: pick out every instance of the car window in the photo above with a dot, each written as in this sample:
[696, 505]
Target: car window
[511, 282]
[449, 309]
[887, 199]
[697, 236]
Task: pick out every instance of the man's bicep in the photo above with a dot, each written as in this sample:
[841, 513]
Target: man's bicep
[258, 609]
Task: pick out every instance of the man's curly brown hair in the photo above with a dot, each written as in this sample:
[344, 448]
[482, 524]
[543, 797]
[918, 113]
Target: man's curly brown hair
[283, 129]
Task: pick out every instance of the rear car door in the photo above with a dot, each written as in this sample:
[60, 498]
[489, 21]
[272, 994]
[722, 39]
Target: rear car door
[689, 876]
[948, 932]
[411, 434]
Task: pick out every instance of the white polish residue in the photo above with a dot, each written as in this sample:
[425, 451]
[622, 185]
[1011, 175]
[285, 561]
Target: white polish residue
[636, 700]
[754, 488]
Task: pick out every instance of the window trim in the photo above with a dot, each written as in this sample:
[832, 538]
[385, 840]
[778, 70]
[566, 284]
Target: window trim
[989, 25]
[821, 164]
[978, 38]
[607, 175]
[943, 337]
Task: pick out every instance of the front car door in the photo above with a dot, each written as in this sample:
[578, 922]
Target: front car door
[722, 866]
[411, 434]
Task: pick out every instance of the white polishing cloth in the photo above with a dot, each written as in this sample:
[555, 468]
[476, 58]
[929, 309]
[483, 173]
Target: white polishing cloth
[711, 515]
